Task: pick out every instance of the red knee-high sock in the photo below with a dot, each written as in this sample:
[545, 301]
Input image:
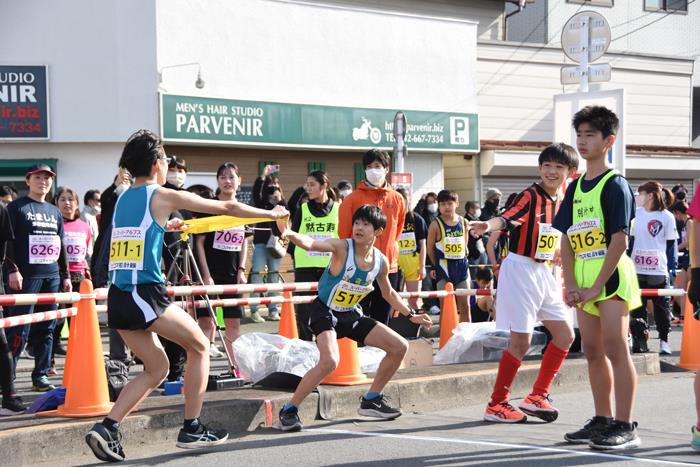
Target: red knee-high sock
[552, 361]
[507, 369]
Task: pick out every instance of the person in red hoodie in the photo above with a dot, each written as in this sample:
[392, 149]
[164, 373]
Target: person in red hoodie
[375, 190]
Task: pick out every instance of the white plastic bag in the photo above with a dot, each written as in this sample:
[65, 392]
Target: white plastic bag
[479, 342]
[260, 354]
[370, 357]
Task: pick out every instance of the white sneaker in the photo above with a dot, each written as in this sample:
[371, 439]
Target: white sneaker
[434, 310]
[664, 348]
[274, 316]
[214, 351]
[256, 318]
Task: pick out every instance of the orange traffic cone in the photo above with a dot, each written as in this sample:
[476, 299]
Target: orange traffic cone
[348, 371]
[86, 393]
[288, 319]
[448, 315]
[690, 342]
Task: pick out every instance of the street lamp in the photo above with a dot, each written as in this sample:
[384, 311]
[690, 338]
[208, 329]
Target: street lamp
[199, 82]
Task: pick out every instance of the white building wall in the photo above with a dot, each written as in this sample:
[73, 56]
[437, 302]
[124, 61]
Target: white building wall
[633, 28]
[319, 53]
[516, 85]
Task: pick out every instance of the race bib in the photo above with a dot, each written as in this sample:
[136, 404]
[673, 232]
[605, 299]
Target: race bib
[407, 243]
[127, 248]
[319, 236]
[547, 242]
[347, 295]
[454, 247]
[76, 247]
[647, 261]
[587, 239]
[229, 240]
[44, 249]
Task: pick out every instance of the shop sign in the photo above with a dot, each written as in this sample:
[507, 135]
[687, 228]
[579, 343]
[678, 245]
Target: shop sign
[191, 119]
[24, 102]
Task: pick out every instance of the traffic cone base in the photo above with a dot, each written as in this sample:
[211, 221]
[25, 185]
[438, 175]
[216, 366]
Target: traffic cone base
[87, 394]
[348, 371]
[288, 319]
[690, 342]
[448, 315]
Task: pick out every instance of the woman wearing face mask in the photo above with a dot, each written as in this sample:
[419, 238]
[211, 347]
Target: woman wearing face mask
[375, 190]
[76, 238]
[317, 218]
[222, 257]
[653, 247]
[430, 213]
[412, 249]
[262, 256]
[177, 173]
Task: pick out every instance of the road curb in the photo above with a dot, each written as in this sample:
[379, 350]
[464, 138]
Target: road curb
[27, 439]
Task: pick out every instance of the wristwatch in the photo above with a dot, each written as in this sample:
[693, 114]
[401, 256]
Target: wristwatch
[411, 314]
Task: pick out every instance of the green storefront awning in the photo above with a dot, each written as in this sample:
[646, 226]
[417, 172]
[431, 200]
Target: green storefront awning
[18, 167]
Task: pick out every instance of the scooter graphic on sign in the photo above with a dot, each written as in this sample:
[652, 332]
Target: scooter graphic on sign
[365, 131]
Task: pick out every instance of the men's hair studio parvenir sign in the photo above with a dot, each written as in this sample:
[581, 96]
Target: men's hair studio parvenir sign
[191, 119]
[24, 102]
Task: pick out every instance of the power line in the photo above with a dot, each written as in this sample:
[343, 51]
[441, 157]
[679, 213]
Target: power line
[648, 24]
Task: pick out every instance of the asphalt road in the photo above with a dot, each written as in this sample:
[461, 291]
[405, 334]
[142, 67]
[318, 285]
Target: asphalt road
[665, 411]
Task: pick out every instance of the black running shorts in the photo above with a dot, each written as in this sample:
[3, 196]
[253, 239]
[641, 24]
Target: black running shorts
[137, 309]
[352, 324]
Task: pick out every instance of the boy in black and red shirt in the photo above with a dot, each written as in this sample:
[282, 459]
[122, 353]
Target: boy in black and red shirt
[527, 290]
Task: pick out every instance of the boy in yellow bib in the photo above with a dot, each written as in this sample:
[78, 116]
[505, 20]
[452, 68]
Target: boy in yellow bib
[600, 279]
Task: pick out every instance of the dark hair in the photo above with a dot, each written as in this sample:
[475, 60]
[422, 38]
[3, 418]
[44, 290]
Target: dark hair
[271, 190]
[447, 195]
[372, 214]
[470, 205]
[655, 189]
[322, 179]
[177, 163]
[141, 151]
[404, 192]
[669, 197]
[430, 193]
[679, 206]
[376, 155]
[5, 190]
[343, 184]
[271, 179]
[559, 153]
[201, 190]
[599, 117]
[59, 191]
[484, 274]
[226, 166]
[89, 196]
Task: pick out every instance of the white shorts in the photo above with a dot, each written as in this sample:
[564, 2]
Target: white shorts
[527, 294]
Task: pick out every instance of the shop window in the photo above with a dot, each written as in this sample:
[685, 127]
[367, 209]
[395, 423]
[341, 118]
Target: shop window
[316, 165]
[359, 173]
[670, 6]
[262, 164]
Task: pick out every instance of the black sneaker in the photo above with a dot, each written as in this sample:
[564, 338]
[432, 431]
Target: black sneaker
[105, 444]
[202, 438]
[42, 385]
[593, 425]
[289, 420]
[618, 435]
[378, 408]
[12, 405]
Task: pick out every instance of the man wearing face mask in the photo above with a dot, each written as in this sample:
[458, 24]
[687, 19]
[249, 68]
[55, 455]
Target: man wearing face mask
[493, 199]
[375, 190]
[344, 189]
[477, 250]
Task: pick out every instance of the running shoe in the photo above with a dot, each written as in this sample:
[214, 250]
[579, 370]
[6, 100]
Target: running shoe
[378, 408]
[664, 348]
[202, 438]
[105, 444]
[539, 405]
[214, 351]
[273, 316]
[618, 435]
[695, 443]
[12, 405]
[593, 425]
[256, 318]
[289, 420]
[503, 412]
[42, 385]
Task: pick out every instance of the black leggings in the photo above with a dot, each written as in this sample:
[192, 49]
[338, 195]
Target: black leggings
[662, 305]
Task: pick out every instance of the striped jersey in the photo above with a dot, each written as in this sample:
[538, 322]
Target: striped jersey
[531, 208]
[136, 246]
